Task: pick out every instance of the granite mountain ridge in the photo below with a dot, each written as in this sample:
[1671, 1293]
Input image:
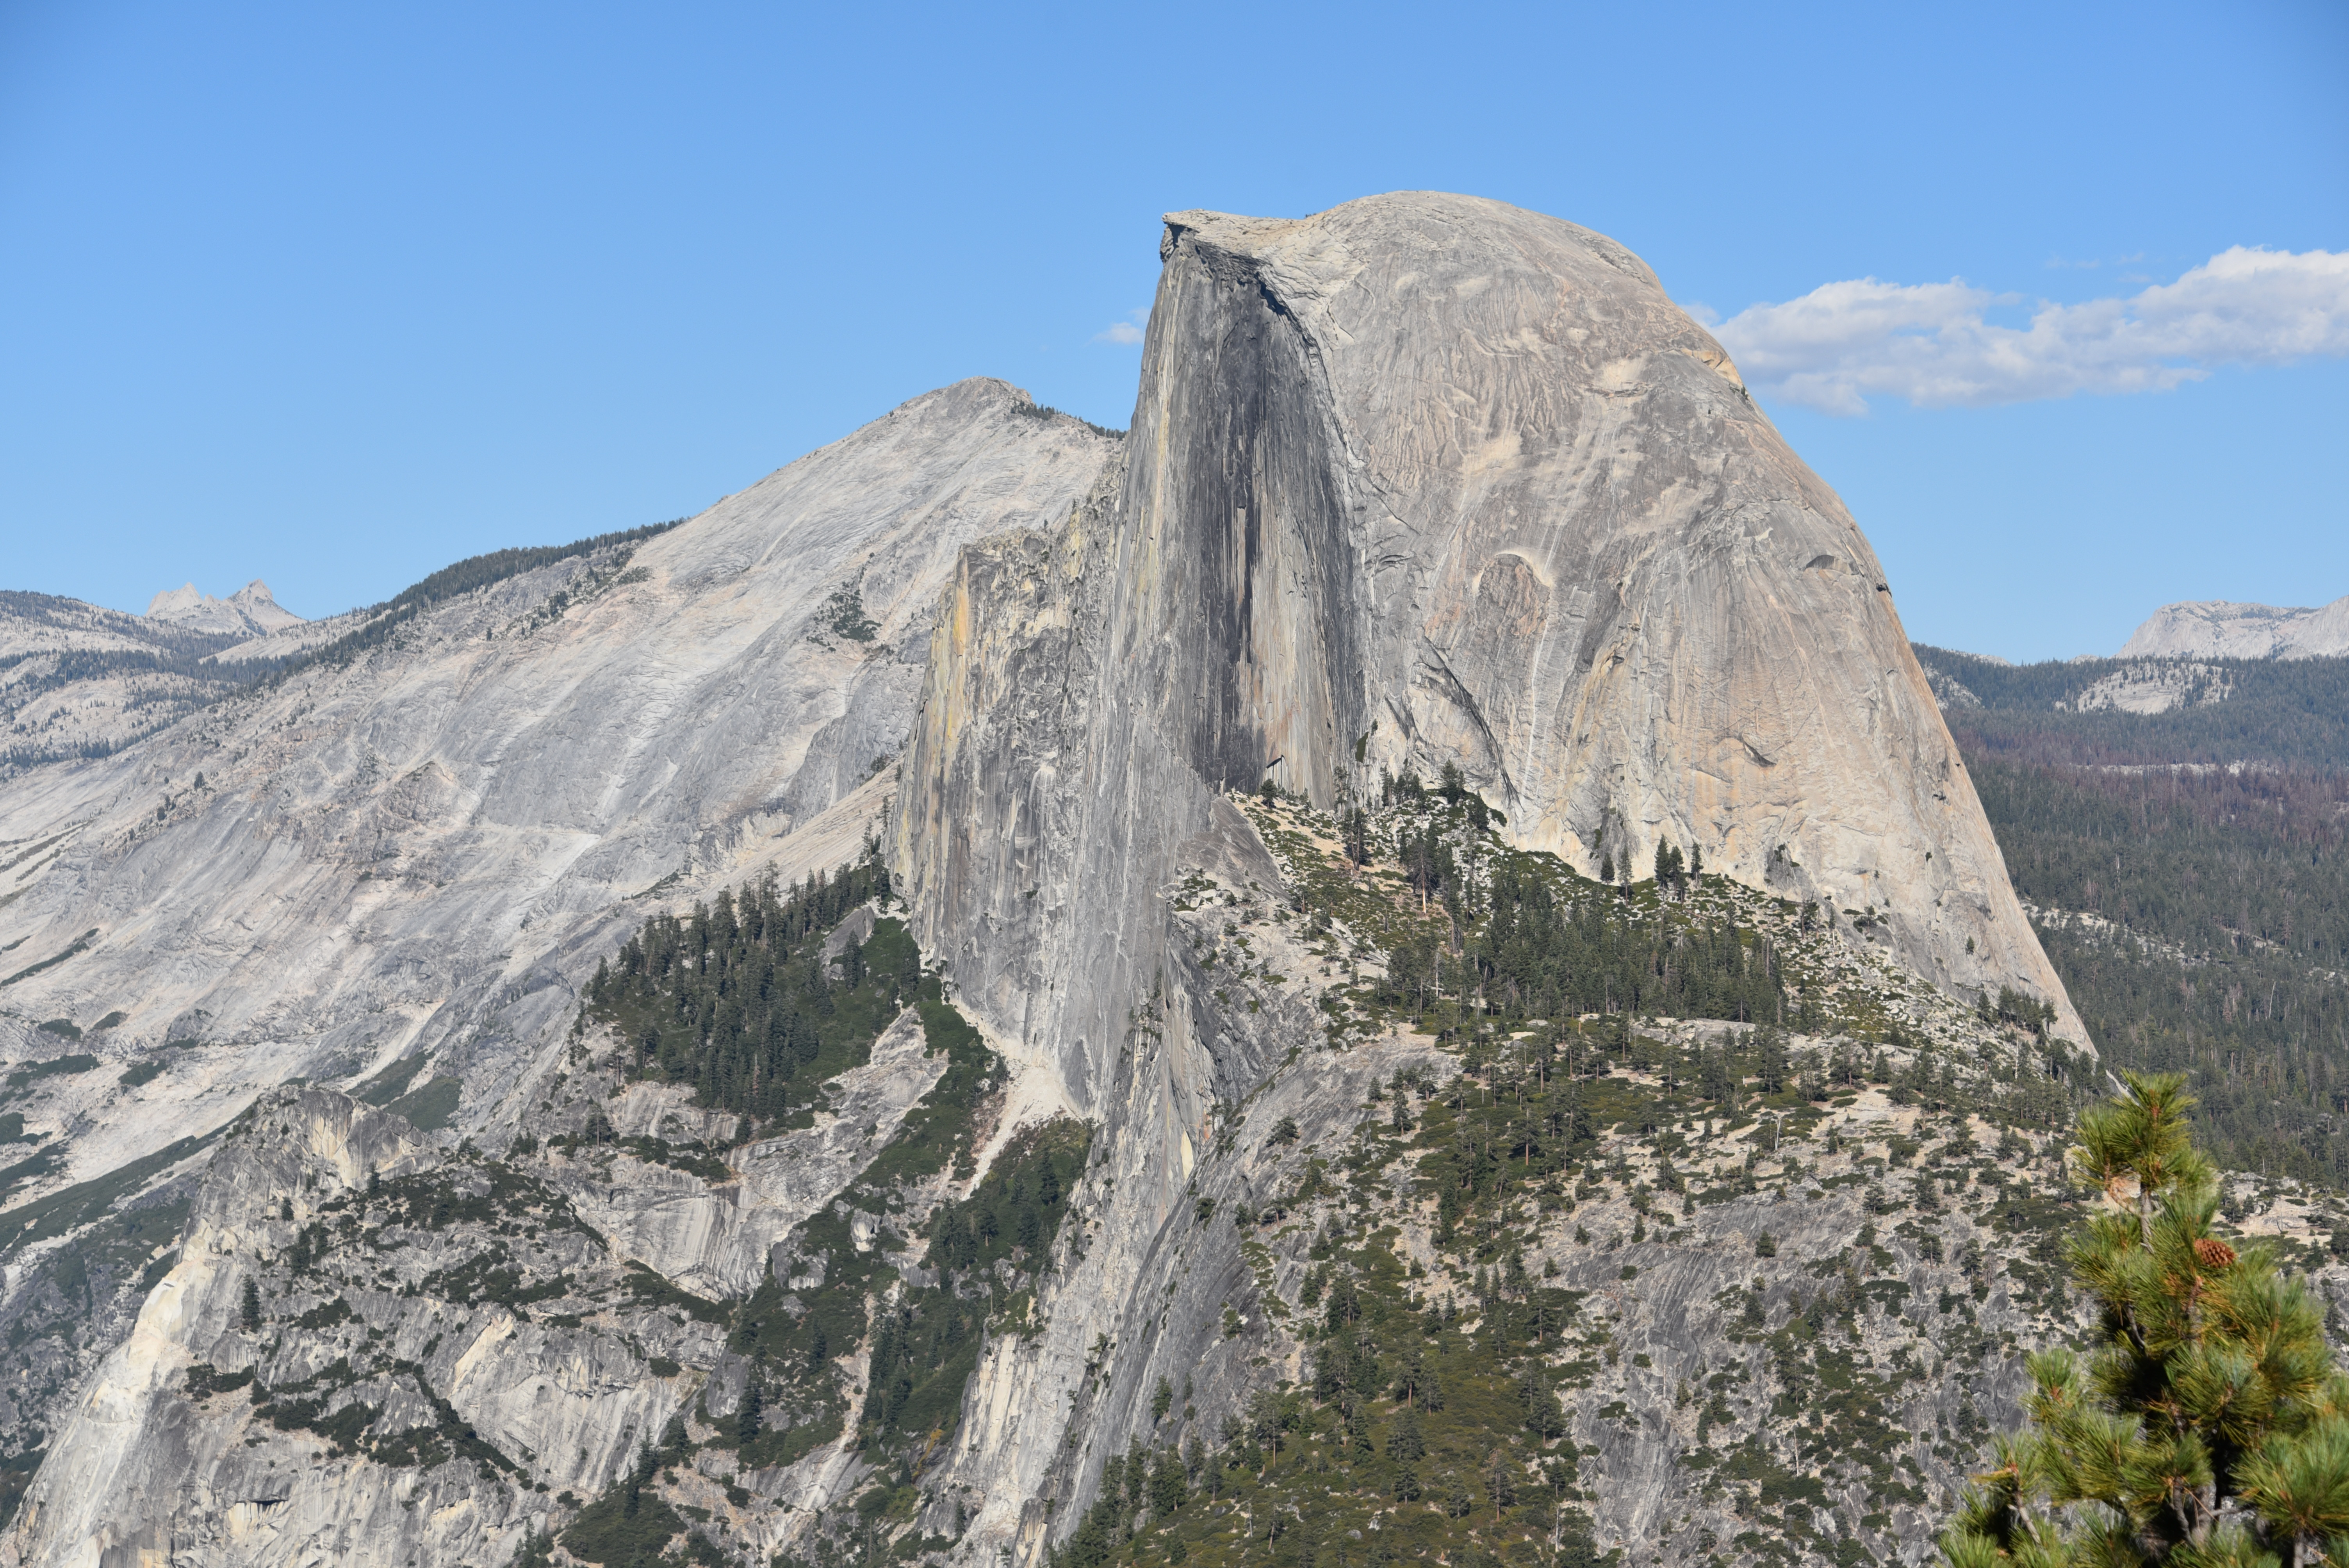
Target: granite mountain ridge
[456, 1163]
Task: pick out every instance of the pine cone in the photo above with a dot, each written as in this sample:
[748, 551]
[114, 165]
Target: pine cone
[2213, 1254]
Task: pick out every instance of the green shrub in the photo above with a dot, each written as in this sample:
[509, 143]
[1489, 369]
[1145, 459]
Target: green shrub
[55, 1066]
[627, 1525]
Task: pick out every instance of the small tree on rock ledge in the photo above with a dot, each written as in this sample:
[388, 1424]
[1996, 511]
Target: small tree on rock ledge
[2210, 1430]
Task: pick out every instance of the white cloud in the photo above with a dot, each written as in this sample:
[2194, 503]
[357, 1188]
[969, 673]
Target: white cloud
[1126, 331]
[1931, 344]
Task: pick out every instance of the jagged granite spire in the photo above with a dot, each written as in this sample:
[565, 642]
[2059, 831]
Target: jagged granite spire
[251, 609]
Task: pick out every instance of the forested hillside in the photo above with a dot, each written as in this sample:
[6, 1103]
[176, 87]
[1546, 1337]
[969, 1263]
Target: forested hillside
[80, 681]
[1663, 1260]
[2286, 712]
[2189, 880]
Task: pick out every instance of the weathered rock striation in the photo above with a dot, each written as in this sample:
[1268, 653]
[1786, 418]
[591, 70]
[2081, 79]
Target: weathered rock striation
[423, 848]
[387, 856]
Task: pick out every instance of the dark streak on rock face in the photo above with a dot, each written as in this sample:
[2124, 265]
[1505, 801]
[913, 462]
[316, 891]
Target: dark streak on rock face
[1254, 621]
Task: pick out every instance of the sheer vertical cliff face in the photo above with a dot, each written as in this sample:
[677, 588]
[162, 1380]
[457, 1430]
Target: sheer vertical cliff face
[1197, 623]
[1422, 479]
[1241, 615]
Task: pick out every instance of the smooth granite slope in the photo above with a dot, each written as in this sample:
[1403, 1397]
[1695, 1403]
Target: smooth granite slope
[405, 852]
[426, 851]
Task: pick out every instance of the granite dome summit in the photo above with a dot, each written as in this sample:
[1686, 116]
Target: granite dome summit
[1422, 482]
[1427, 479]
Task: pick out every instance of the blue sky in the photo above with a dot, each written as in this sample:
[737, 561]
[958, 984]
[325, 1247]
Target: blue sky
[334, 295]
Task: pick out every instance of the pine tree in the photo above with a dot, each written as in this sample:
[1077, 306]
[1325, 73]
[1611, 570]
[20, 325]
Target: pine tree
[1168, 1490]
[747, 1419]
[2210, 1429]
[252, 1312]
[1405, 1442]
[537, 1550]
[1500, 1480]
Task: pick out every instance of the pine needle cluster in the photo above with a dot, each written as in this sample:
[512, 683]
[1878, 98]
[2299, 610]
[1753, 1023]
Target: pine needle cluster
[2211, 1428]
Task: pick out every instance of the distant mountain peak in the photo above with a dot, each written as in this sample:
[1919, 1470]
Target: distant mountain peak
[250, 610]
[172, 604]
[2222, 629]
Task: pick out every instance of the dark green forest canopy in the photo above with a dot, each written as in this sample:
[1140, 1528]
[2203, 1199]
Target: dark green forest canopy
[2207, 847]
[2212, 861]
[2289, 712]
[1548, 956]
[1470, 927]
[738, 998]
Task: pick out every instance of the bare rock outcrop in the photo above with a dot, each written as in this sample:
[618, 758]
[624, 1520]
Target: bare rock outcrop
[2156, 686]
[1421, 480]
